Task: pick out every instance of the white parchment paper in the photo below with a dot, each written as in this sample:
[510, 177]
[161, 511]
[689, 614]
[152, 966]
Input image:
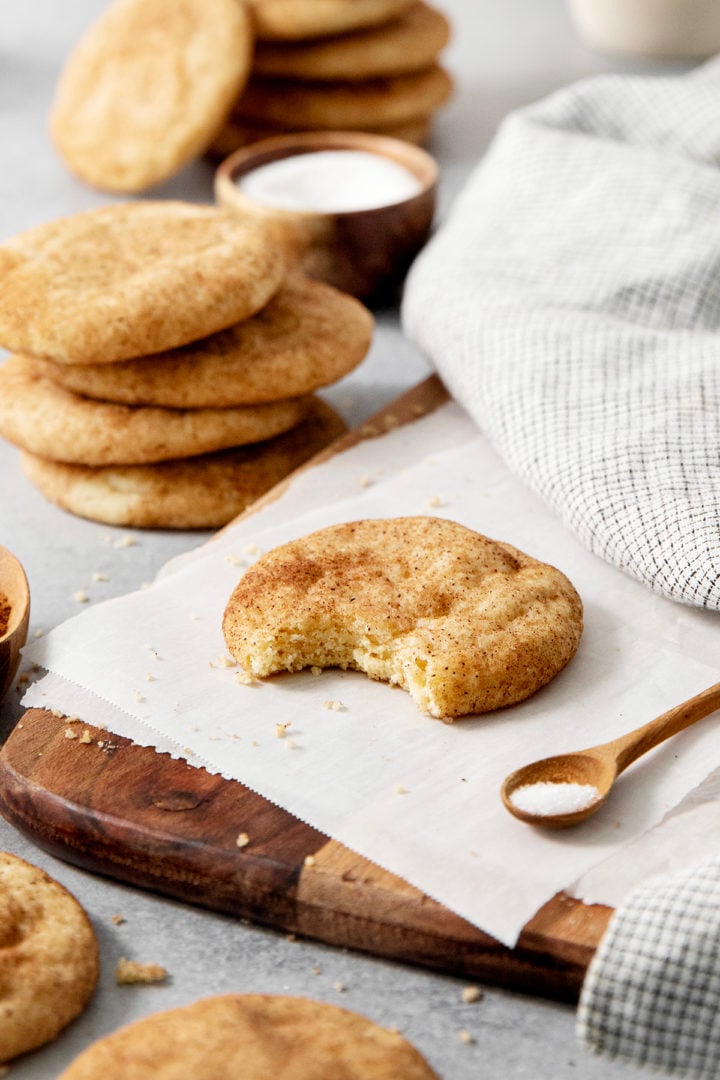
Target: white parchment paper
[416, 796]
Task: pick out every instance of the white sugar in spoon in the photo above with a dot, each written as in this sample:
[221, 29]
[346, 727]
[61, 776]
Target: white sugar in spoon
[593, 772]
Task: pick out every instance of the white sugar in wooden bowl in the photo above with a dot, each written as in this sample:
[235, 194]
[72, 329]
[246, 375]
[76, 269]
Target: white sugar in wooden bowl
[352, 209]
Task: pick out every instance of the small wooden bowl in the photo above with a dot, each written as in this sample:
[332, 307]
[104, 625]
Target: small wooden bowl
[15, 594]
[363, 252]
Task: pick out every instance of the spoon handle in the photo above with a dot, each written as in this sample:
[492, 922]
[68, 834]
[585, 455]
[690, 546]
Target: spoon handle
[629, 747]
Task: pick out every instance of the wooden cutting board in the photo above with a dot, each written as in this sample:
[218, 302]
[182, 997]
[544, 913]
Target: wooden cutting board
[131, 813]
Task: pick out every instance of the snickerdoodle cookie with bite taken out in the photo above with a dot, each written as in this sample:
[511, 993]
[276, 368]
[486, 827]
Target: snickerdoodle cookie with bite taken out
[464, 623]
[48, 957]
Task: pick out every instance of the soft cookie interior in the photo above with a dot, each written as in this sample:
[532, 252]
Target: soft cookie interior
[464, 623]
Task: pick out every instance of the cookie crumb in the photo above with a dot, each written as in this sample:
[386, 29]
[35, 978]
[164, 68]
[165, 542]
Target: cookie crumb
[339, 986]
[364, 481]
[471, 994]
[56, 713]
[80, 597]
[242, 840]
[291, 744]
[244, 679]
[251, 549]
[315, 671]
[309, 860]
[39, 632]
[465, 1037]
[128, 972]
[316, 969]
[139, 697]
[400, 790]
[226, 661]
[86, 737]
[125, 541]
[434, 500]
[117, 920]
[149, 677]
[334, 705]
[281, 729]
[99, 576]
[234, 560]
[70, 734]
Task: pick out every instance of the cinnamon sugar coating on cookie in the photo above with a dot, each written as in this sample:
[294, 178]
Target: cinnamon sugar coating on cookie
[253, 1037]
[132, 278]
[48, 957]
[464, 623]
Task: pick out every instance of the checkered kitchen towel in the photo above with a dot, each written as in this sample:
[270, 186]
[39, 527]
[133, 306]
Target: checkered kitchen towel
[571, 302]
[652, 992]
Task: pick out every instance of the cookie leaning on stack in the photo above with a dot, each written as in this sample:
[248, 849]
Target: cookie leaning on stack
[147, 87]
[158, 334]
[327, 72]
[154, 83]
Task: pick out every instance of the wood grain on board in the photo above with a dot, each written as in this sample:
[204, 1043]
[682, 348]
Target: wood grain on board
[152, 821]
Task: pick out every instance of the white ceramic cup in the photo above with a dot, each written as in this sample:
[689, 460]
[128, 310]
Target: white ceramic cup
[682, 29]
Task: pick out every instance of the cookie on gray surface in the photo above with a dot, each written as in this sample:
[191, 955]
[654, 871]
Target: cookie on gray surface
[48, 957]
[253, 1037]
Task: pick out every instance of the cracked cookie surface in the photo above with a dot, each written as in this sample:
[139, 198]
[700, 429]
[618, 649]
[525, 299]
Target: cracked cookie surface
[465, 624]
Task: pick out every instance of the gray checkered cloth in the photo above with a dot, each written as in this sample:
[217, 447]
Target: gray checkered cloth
[652, 992]
[571, 302]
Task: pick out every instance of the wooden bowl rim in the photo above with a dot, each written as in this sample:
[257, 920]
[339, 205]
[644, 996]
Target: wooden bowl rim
[19, 596]
[414, 158]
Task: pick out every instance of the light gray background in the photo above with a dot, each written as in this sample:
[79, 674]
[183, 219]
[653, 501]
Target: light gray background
[505, 53]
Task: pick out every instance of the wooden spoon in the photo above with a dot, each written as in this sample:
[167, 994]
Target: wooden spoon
[599, 766]
[15, 592]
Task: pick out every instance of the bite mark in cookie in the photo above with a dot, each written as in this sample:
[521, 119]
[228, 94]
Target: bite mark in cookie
[465, 624]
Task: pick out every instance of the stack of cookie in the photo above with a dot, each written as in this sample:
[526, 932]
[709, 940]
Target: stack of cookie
[154, 83]
[165, 362]
[368, 66]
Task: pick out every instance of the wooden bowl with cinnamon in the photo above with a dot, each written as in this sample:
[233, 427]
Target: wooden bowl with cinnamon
[352, 209]
[14, 616]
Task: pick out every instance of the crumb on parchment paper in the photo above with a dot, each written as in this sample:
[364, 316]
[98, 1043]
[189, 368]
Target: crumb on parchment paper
[129, 972]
